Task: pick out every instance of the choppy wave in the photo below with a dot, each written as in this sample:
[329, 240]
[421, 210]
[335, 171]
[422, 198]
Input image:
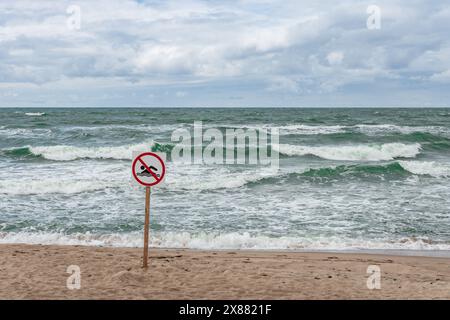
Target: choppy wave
[24, 132]
[68, 153]
[367, 129]
[302, 129]
[217, 241]
[381, 152]
[35, 114]
[227, 180]
[372, 152]
[347, 170]
[54, 186]
[18, 152]
[430, 168]
[377, 129]
[391, 169]
[218, 179]
[105, 128]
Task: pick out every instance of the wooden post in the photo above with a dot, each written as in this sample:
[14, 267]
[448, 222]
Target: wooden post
[146, 226]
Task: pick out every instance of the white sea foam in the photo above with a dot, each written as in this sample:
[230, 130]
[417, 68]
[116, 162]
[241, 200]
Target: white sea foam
[114, 127]
[81, 177]
[54, 186]
[35, 114]
[67, 153]
[213, 178]
[24, 133]
[368, 129]
[64, 178]
[378, 129]
[303, 129]
[387, 151]
[431, 168]
[214, 241]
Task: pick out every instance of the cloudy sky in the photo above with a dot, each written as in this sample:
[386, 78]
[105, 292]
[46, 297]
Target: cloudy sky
[224, 53]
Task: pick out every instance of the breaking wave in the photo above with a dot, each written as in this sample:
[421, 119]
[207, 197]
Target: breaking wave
[430, 168]
[219, 179]
[227, 180]
[218, 241]
[367, 129]
[346, 170]
[68, 153]
[381, 152]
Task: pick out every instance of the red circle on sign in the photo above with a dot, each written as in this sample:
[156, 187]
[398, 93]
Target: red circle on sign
[138, 158]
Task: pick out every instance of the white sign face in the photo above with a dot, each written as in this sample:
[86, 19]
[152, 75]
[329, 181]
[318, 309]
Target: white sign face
[148, 168]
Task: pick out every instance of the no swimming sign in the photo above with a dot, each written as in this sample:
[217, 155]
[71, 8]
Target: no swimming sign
[148, 169]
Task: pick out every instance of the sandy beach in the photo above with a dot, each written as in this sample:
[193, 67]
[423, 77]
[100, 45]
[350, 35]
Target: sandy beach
[40, 272]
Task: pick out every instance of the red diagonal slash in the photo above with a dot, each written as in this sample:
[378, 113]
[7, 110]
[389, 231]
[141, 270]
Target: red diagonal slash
[148, 169]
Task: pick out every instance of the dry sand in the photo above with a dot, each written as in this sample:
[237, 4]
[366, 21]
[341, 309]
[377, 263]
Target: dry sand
[39, 272]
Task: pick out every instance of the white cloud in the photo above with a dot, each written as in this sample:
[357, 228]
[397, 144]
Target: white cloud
[442, 76]
[335, 57]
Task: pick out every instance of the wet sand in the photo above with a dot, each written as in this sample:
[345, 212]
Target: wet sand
[40, 272]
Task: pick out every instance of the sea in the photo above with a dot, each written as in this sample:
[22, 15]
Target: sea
[348, 179]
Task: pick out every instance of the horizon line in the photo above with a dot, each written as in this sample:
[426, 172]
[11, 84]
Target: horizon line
[224, 107]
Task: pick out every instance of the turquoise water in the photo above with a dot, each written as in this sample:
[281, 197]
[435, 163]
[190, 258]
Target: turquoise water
[348, 178]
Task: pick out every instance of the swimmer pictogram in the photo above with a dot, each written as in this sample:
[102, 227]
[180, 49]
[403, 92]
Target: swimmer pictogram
[148, 169]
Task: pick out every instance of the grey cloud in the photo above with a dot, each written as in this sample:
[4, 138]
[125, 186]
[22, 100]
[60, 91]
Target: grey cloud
[296, 49]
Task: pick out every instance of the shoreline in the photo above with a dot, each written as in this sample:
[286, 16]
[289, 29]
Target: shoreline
[40, 272]
[431, 253]
[444, 253]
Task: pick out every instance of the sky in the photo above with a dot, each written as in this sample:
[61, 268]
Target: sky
[234, 53]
